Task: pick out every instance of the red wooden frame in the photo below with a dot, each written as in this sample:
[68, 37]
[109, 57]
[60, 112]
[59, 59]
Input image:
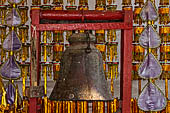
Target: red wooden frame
[126, 27]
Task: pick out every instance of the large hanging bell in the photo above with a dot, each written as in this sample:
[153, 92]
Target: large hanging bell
[81, 74]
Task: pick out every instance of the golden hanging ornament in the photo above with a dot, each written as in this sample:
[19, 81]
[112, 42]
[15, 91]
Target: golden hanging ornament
[100, 36]
[164, 2]
[45, 1]
[137, 18]
[3, 98]
[100, 5]
[3, 55]
[24, 2]
[166, 88]
[165, 71]
[135, 68]
[3, 11]
[44, 46]
[138, 53]
[112, 73]
[44, 70]
[112, 54]
[50, 52]
[154, 52]
[2, 33]
[111, 36]
[83, 2]
[71, 2]
[153, 1]
[164, 52]
[127, 8]
[46, 7]
[23, 33]
[164, 15]
[24, 13]
[137, 32]
[126, 2]
[36, 2]
[24, 70]
[24, 53]
[110, 2]
[58, 2]
[2, 2]
[58, 37]
[49, 70]
[100, 2]
[57, 52]
[111, 7]
[140, 2]
[56, 69]
[164, 32]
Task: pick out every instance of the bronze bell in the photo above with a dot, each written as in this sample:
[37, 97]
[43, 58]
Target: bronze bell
[81, 74]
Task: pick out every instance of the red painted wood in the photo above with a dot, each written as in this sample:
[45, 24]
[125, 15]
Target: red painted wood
[84, 26]
[35, 20]
[126, 64]
[79, 15]
[33, 105]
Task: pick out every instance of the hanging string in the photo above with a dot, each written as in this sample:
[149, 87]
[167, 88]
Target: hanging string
[34, 31]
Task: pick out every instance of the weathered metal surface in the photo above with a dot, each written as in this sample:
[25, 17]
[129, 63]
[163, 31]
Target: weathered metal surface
[81, 75]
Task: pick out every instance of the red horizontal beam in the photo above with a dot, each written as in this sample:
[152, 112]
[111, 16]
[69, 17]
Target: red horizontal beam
[84, 26]
[81, 15]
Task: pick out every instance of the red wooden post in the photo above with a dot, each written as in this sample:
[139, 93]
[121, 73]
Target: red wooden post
[33, 105]
[126, 64]
[35, 57]
[35, 17]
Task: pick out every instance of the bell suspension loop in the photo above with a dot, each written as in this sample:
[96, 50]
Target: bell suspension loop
[88, 49]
